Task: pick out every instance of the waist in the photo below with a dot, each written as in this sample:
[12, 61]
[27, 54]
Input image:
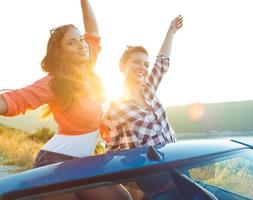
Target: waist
[73, 145]
[76, 132]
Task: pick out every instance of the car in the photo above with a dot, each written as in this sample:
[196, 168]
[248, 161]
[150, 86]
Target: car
[192, 169]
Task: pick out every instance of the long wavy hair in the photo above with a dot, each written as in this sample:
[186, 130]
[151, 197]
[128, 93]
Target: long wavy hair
[68, 84]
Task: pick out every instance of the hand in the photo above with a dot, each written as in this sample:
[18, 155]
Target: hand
[176, 24]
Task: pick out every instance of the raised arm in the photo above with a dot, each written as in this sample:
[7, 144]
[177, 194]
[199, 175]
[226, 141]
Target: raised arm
[89, 19]
[3, 105]
[167, 43]
[162, 62]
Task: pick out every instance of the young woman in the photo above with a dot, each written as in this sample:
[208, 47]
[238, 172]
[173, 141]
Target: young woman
[71, 89]
[139, 117]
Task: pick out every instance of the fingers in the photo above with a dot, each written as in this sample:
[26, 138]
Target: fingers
[179, 22]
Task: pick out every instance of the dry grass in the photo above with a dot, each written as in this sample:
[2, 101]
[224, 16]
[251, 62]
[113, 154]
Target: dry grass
[20, 148]
[17, 148]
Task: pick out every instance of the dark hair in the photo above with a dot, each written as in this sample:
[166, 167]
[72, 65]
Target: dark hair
[67, 83]
[131, 50]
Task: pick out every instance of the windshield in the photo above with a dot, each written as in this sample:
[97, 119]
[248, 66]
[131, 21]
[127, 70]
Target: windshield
[225, 175]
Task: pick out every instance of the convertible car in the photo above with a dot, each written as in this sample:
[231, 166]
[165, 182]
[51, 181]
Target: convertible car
[186, 170]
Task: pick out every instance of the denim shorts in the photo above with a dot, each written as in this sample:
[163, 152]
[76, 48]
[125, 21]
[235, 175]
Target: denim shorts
[48, 157]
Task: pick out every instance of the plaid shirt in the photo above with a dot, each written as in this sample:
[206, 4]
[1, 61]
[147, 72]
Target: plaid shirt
[138, 126]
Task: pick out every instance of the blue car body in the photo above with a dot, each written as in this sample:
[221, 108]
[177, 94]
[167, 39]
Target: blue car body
[113, 166]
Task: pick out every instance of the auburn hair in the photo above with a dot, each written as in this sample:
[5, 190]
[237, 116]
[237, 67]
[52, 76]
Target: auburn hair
[67, 83]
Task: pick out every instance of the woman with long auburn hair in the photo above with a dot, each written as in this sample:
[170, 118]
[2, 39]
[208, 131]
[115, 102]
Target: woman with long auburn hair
[71, 89]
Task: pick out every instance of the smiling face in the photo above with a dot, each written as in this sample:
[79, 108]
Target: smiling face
[74, 47]
[135, 68]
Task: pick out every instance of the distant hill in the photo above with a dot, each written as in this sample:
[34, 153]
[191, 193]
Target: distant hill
[227, 116]
[30, 121]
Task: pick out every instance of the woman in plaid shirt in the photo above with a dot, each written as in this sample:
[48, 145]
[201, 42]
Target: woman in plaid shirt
[139, 117]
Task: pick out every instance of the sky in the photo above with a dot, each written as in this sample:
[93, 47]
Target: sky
[211, 57]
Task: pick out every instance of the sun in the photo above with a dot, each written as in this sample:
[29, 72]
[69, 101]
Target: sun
[113, 85]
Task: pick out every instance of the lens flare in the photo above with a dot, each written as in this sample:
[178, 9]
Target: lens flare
[196, 111]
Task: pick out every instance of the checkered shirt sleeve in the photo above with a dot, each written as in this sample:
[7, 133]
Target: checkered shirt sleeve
[161, 66]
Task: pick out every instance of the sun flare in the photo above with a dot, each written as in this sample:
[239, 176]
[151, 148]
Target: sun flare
[113, 86]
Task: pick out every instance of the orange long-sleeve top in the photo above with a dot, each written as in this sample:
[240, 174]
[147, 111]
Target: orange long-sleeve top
[82, 117]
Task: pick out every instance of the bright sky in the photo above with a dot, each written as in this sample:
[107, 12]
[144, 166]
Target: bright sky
[211, 57]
